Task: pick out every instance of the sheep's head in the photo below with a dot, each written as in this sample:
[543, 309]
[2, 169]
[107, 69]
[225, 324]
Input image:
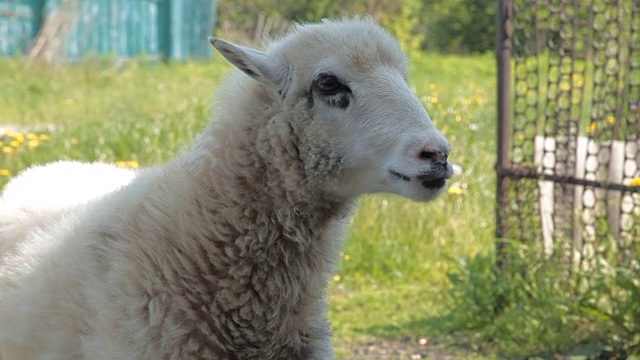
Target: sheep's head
[345, 85]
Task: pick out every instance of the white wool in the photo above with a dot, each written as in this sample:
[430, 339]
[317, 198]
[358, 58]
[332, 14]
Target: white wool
[63, 184]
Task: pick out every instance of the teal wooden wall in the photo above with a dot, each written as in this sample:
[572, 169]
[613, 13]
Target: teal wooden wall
[172, 29]
[19, 24]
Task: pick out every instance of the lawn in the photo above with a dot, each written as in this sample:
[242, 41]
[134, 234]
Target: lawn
[389, 296]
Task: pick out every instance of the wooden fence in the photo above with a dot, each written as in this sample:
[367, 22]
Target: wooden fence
[169, 29]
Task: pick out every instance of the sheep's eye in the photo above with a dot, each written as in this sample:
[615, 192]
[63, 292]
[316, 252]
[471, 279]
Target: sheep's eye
[332, 91]
[328, 84]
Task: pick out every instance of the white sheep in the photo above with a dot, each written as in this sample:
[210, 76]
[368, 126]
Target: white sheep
[40, 192]
[63, 184]
[226, 252]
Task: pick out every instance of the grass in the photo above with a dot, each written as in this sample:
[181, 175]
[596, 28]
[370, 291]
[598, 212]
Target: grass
[395, 279]
[102, 112]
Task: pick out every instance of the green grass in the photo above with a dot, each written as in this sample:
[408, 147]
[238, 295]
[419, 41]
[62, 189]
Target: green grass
[400, 258]
[104, 112]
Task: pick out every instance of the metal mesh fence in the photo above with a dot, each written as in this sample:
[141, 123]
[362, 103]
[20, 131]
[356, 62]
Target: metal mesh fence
[569, 127]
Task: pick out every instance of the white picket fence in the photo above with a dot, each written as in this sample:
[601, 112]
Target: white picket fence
[621, 164]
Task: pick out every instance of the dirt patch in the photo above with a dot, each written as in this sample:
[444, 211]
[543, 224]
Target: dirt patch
[407, 348]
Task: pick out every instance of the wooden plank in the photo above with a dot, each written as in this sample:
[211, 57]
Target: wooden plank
[578, 205]
[19, 23]
[164, 28]
[545, 163]
[616, 164]
[176, 28]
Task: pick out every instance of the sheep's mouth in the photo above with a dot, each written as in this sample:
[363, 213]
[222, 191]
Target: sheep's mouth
[399, 175]
[433, 180]
[435, 183]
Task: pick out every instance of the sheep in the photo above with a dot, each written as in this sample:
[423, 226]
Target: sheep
[35, 194]
[63, 184]
[226, 251]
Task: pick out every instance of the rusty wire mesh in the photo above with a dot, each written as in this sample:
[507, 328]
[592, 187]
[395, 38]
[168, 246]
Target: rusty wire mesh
[570, 141]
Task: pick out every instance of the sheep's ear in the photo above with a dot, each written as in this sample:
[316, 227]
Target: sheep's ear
[252, 62]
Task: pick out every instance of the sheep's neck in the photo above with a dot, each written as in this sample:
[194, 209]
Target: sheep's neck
[258, 205]
[271, 255]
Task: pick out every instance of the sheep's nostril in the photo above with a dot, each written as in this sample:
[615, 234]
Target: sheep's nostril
[433, 154]
[427, 155]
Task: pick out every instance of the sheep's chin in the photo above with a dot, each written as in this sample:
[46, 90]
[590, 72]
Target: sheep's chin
[414, 188]
[426, 193]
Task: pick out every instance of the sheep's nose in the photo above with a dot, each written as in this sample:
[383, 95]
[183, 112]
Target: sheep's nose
[435, 154]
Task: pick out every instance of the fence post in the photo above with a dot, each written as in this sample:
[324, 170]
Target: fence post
[503, 55]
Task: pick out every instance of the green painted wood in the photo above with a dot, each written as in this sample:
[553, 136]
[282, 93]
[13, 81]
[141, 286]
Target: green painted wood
[170, 29]
[19, 23]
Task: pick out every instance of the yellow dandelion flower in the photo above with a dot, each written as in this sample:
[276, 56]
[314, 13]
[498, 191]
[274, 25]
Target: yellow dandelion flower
[133, 164]
[635, 182]
[520, 136]
[565, 86]
[15, 143]
[458, 117]
[33, 143]
[44, 137]
[432, 86]
[31, 136]
[336, 277]
[611, 119]
[7, 149]
[5, 172]
[346, 257]
[433, 99]
[455, 190]
[74, 141]
[592, 127]
[18, 136]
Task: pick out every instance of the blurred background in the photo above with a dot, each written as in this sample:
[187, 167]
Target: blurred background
[174, 29]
